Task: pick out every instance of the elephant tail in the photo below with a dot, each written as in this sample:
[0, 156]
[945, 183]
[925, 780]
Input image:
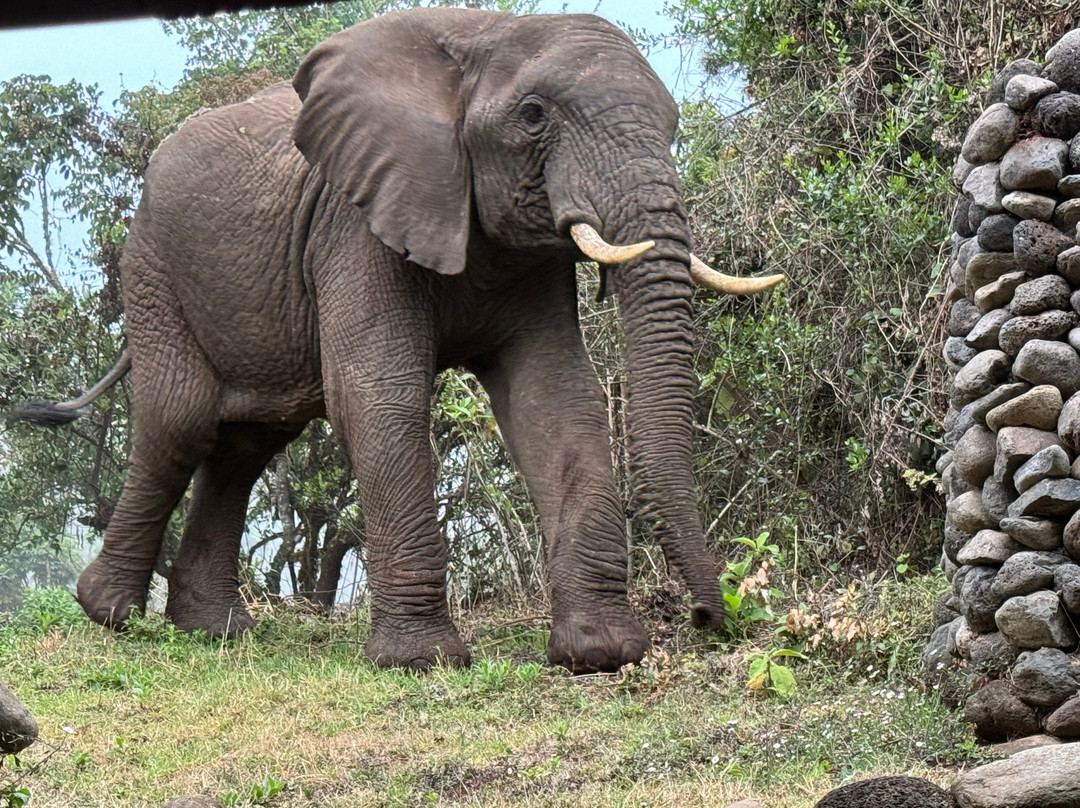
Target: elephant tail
[55, 413]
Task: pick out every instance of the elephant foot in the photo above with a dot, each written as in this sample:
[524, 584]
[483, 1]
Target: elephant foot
[108, 596]
[703, 615]
[218, 615]
[417, 650]
[590, 643]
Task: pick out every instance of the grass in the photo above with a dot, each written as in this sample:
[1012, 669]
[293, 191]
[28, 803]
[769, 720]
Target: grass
[291, 715]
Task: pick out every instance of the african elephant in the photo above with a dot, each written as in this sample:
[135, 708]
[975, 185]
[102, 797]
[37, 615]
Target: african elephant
[416, 200]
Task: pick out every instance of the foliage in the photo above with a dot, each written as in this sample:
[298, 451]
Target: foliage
[256, 794]
[745, 586]
[45, 607]
[767, 672]
[822, 407]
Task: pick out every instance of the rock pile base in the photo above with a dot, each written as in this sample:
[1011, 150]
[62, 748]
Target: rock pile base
[1012, 475]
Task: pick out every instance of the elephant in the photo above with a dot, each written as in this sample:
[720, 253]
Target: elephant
[417, 199]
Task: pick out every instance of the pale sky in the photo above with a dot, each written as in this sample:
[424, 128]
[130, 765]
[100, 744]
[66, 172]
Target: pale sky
[135, 53]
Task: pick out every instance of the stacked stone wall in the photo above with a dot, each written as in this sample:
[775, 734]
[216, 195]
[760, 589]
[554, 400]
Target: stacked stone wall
[1012, 472]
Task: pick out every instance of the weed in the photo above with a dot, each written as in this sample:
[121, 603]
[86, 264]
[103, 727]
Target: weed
[255, 794]
[745, 584]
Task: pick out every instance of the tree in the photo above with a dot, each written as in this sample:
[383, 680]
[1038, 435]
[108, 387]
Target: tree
[58, 326]
[822, 406]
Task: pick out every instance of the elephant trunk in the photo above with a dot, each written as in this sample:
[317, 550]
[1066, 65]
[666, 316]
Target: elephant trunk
[654, 295]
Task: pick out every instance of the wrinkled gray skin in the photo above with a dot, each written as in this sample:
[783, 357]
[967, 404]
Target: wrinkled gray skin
[18, 729]
[263, 289]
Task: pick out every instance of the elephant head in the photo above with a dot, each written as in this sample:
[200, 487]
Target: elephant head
[539, 133]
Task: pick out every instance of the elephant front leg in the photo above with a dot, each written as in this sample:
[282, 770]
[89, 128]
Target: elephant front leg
[550, 410]
[378, 382]
[406, 552]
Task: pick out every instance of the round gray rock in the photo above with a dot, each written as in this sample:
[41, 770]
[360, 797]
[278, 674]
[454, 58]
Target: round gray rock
[984, 334]
[955, 539]
[957, 353]
[1040, 361]
[963, 316]
[980, 407]
[1051, 463]
[968, 513]
[1069, 185]
[1065, 720]
[985, 267]
[978, 600]
[1035, 164]
[1038, 534]
[1035, 621]
[961, 220]
[1039, 407]
[1048, 498]
[983, 187]
[992, 654]
[1026, 572]
[1028, 205]
[1068, 425]
[995, 232]
[999, 714]
[1035, 778]
[1041, 294]
[1068, 264]
[999, 293]
[1023, 90]
[989, 547]
[1070, 538]
[1018, 444]
[974, 454]
[1050, 325]
[997, 496]
[989, 368]
[992, 134]
[1017, 67]
[1056, 114]
[1045, 678]
[1063, 62]
[1067, 585]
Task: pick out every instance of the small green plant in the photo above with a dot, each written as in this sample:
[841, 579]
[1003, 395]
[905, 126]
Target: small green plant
[766, 673]
[12, 796]
[745, 584]
[81, 758]
[492, 674]
[255, 794]
[120, 676]
[44, 608]
[528, 672]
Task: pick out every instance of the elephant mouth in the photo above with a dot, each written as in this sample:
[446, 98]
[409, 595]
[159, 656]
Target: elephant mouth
[593, 245]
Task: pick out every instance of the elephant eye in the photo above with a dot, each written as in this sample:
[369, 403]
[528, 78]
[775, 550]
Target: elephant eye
[533, 115]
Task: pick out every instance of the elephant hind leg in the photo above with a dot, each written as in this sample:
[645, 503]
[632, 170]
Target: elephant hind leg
[204, 585]
[174, 425]
[116, 582]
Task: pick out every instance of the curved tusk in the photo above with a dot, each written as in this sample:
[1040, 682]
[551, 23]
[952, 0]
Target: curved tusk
[593, 245]
[704, 275]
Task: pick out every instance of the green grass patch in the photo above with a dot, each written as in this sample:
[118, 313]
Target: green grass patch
[291, 715]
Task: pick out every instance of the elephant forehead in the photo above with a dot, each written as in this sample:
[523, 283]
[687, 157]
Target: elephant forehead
[576, 60]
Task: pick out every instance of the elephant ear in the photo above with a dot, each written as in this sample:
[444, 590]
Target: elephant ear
[383, 116]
